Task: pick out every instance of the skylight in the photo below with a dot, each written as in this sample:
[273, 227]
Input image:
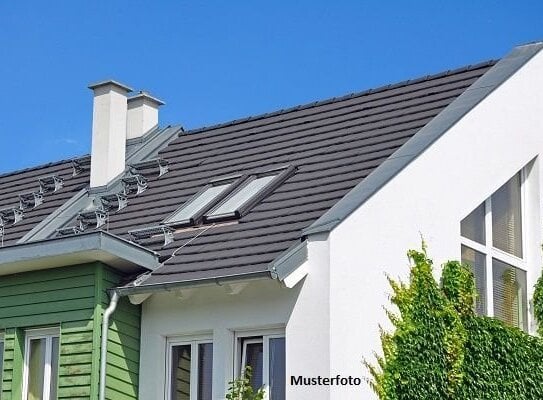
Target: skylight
[239, 198]
[199, 203]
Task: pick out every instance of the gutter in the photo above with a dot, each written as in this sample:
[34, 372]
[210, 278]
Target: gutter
[103, 346]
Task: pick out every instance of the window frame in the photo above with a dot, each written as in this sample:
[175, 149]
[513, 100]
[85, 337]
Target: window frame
[40, 333]
[490, 252]
[280, 174]
[242, 338]
[193, 342]
[234, 180]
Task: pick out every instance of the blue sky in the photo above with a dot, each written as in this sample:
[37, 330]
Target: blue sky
[215, 61]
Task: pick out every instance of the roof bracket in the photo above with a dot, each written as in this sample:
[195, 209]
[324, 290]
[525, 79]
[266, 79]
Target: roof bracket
[108, 201]
[98, 215]
[11, 215]
[137, 235]
[162, 164]
[134, 184]
[30, 200]
[80, 164]
[70, 230]
[51, 183]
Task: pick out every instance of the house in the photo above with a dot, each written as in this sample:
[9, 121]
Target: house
[164, 262]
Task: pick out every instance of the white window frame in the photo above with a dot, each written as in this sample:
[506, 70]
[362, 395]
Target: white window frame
[490, 252]
[243, 338]
[3, 342]
[193, 342]
[48, 334]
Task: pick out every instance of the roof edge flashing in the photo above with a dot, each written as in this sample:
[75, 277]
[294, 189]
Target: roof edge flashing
[425, 137]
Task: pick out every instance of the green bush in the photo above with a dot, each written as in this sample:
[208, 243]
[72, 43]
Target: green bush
[241, 389]
[441, 350]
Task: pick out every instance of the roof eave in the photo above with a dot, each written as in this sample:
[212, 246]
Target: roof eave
[424, 138]
[219, 280]
[78, 249]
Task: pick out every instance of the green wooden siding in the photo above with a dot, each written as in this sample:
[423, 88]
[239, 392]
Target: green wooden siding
[123, 345]
[74, 299]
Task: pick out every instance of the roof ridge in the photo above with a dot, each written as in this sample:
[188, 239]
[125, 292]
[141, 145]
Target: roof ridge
[330, 100]
[39, 166]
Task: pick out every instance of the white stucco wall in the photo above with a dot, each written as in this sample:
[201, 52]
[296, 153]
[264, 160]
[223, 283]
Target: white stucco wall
[431, 196]
[207, 311]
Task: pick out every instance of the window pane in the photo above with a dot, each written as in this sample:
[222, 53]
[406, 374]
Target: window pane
[277, 369]
[54, 368]
[473, 226]
[36, 368]
[254, 357]
[180, 373]
[205, 371]
[510, 304]
[477, 262]
[206, 197]
[506, 217]
[240, 197]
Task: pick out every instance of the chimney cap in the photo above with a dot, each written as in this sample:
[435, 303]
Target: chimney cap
[144, 95]
[112, 82]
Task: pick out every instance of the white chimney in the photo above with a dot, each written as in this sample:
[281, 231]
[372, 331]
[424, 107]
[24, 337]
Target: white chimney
[142, 114]
[108, 131]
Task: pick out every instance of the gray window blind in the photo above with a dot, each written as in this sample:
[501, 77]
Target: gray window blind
[205, 371]
[180, 372]
[510, 303]
[506, 217]
[277, 369]
[477, 263]
[473, 226]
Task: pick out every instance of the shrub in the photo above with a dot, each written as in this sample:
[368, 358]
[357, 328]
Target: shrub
[441, 350]
[241, 389]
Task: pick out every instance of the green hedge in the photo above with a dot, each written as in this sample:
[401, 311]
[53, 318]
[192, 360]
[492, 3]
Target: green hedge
[441, 350]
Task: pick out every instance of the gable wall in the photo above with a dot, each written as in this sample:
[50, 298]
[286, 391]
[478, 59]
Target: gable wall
[430, 197]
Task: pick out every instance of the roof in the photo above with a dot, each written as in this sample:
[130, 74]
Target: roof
[334, 144]
[343, 150]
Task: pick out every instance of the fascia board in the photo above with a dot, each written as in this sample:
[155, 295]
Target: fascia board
[289, 261]
[77, 249]
[423, 139]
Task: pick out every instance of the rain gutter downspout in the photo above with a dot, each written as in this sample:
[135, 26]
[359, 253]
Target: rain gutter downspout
[103, 347]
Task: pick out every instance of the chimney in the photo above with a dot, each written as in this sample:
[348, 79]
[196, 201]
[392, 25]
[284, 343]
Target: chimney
[142, 114]
[109, 116]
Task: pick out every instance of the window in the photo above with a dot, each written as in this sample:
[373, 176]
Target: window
[492, 244]
[190, 372]
[239, 198]
[266, 356]
[41, 364]
[195, 207]
[228, 198]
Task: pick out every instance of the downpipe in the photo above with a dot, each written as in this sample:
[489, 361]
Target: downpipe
[103, 348]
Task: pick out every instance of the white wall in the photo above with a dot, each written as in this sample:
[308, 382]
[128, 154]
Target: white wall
[430, 197]
[212, 311]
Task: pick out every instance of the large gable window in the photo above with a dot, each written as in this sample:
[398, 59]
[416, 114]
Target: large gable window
[492, 244]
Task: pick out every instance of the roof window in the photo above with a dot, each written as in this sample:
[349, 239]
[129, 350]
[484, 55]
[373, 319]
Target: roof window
[229, 198]
[189, 212]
